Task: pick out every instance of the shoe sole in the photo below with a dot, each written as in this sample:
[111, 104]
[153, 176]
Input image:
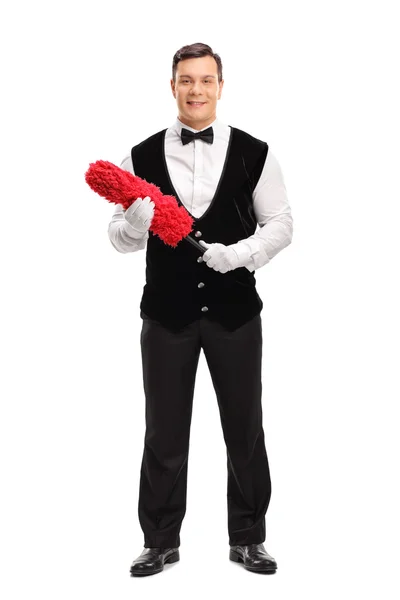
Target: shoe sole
[171, 559]
[235, 557]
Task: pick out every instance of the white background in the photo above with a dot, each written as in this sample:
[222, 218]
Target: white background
[87, 81]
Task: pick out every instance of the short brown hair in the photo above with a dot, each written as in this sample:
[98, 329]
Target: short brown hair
[196, 51]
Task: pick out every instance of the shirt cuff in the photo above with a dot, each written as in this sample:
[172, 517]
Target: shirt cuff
[131, 232]
[250, 266]
[242, 252]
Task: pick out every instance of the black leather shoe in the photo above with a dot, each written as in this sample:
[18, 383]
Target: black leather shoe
[254, 558]
[152, 560]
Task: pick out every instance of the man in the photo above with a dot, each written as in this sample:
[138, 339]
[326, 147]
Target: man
[229, 182]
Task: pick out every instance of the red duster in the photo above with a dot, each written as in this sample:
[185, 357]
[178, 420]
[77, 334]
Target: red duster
[171, 222]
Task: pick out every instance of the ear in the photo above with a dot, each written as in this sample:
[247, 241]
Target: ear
[221, 85]
[173, 87]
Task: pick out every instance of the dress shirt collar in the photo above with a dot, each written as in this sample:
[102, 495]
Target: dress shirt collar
[177, 127]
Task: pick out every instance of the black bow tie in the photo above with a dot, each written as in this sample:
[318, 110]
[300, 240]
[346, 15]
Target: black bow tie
[207, 135]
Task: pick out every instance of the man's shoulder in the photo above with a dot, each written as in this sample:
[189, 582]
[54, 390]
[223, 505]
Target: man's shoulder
[253, 141]
[149, 141]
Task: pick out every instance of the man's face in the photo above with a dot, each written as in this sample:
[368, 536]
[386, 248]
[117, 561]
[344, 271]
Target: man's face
[196, 90]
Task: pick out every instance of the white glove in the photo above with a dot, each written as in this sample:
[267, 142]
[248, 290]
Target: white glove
[220, 257]
[139, 216]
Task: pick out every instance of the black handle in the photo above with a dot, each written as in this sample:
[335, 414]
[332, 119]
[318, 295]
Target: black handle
[195, 243]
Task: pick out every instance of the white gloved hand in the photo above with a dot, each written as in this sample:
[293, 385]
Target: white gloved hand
[220, 257]
[139, 215]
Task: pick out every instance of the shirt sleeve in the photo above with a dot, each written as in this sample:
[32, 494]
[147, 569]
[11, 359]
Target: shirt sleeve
[122, 236]
[273, 215]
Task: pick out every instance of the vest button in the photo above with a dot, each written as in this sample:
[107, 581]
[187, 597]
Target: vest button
[205, 308]
[198, 234]
[201, 284]
[200, 259]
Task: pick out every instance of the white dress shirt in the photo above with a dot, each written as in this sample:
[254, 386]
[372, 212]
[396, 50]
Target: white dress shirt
[195, 170]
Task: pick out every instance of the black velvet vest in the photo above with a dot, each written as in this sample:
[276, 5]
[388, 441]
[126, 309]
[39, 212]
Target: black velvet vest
[178, 288]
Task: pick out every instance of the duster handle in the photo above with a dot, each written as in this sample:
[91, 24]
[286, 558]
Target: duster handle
[195, 243]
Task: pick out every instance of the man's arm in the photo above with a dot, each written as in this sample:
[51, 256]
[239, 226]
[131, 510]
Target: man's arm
[122, 236]
[273, 215]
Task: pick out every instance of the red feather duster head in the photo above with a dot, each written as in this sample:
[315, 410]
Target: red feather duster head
[171, 222]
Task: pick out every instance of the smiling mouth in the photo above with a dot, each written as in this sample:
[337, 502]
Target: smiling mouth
[196, 103]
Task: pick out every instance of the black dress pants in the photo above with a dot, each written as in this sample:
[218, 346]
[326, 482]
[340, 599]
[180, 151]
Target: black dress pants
[170, 363]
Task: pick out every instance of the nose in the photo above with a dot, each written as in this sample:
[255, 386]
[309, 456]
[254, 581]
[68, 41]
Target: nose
[195, 87]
